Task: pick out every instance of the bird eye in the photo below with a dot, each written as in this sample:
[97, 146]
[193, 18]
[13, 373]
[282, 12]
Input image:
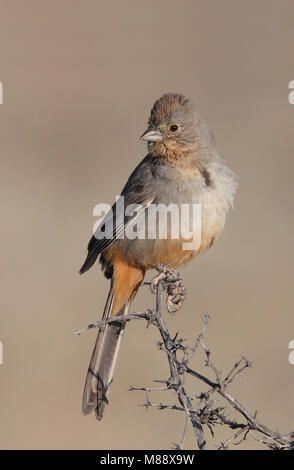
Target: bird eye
[174, 127]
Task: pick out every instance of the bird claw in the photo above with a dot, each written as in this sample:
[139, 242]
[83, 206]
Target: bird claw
[176, 294]
[155, 280]
[172, 284]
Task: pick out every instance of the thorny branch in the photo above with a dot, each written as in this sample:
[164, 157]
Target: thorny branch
[205, 411]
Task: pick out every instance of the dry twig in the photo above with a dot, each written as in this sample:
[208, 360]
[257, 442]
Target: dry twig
[205, 412]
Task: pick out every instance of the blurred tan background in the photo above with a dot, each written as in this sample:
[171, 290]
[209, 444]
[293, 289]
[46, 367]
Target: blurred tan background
[79, 78]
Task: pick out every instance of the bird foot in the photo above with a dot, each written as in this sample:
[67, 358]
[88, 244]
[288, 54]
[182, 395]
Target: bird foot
[172, 284]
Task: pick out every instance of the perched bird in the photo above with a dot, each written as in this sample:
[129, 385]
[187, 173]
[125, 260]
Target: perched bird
[183, 166]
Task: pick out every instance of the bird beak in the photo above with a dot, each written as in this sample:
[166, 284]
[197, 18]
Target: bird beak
[151, 135]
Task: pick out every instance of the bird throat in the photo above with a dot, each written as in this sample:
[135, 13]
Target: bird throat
[173, 153]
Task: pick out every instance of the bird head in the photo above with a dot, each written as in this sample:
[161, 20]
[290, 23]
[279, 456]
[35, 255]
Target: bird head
[172, 125]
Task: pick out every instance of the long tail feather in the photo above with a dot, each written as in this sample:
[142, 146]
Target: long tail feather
[102, 363]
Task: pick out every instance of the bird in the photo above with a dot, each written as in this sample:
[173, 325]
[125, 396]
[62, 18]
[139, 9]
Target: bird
[182, 166]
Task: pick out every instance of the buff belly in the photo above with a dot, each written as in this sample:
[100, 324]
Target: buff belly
[149, 254]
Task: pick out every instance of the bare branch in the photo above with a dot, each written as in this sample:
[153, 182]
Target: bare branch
[207, 412]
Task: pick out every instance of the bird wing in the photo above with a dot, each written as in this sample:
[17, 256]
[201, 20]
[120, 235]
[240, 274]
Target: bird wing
[138, 191]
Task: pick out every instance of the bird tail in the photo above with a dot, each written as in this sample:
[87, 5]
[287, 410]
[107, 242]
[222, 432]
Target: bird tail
[103, 360]
[123, 288]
